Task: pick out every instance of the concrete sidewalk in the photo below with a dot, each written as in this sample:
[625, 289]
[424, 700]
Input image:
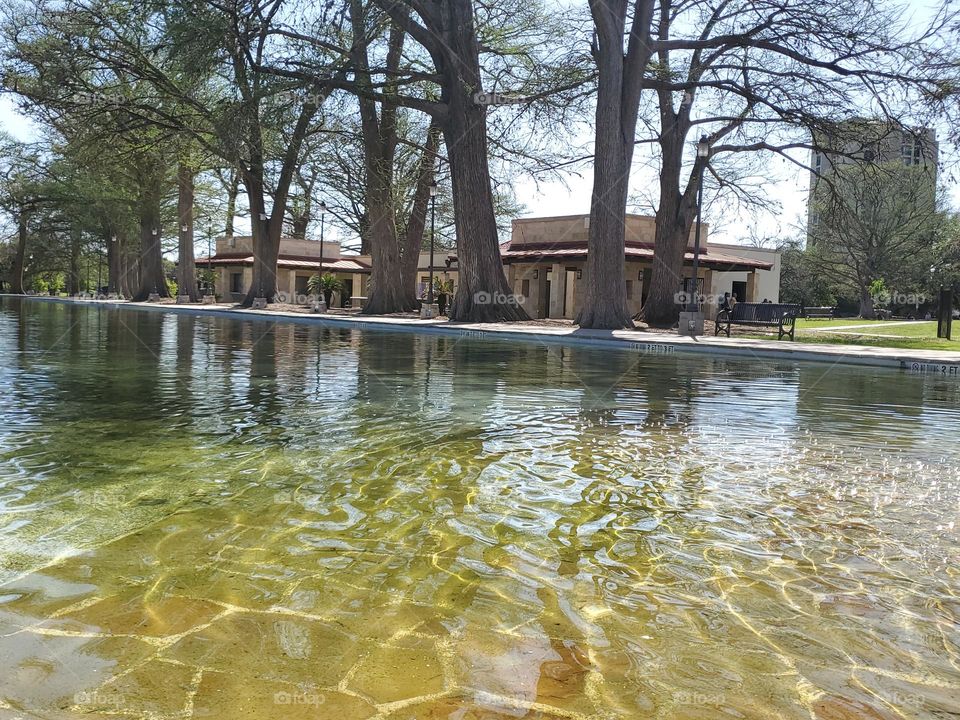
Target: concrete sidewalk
[939, 362]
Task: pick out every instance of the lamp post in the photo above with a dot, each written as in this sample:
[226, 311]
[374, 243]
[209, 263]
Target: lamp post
[323, 215]
[433, 224]
[113, 266]
[703, 154]
[209, 268]
[321, 305]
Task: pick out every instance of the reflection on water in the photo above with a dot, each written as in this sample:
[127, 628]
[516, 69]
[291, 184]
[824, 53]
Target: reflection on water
[206, 518]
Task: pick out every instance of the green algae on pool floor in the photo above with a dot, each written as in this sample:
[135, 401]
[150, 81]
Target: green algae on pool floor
[206, 518]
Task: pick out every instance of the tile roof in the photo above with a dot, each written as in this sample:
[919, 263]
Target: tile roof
[291, 262]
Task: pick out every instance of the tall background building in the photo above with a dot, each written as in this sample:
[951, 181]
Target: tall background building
[869, 141]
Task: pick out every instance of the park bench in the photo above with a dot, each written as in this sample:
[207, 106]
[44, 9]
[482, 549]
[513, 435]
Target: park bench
[779, 315]
[819, 312]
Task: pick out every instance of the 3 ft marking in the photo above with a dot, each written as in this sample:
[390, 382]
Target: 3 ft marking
[921, 368]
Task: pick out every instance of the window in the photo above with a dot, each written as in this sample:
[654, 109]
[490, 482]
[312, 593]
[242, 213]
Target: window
[911, 150]
[236, 282]
[300, 284]
[818, 162]
[525, 288]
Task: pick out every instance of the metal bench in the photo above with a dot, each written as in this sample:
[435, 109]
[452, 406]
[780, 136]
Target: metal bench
[779, 315]
[819, 312]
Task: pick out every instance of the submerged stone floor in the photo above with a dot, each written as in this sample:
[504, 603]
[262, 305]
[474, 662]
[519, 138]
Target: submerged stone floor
[181, 622]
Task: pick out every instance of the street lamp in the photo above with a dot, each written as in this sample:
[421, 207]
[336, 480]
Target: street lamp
[433, 222]
[703, 155]
[209, 268]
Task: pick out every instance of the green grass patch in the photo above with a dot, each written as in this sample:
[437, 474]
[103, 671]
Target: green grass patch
[920, 335]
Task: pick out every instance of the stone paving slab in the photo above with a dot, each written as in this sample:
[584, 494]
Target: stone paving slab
[938, 362]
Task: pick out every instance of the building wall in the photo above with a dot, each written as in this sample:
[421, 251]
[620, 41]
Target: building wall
[767, 281]
[576, 228]
[288, 246]
[872, 141]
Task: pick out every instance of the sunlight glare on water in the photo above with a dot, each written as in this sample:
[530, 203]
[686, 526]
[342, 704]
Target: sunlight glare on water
[201, 517]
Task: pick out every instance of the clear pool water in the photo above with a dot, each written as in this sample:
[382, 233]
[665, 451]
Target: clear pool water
[202, 517]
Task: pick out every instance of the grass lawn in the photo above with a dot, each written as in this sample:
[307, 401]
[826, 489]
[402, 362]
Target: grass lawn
[920, 335]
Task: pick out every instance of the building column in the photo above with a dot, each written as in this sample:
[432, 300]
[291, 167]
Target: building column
[558, 288]
[710, 306]
[752, 286]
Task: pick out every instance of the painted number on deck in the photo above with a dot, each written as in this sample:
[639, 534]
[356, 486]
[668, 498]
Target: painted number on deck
[920, 368]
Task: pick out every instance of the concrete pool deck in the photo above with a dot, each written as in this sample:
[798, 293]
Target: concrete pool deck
[938, 362]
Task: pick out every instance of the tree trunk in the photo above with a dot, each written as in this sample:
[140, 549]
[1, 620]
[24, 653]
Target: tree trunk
[605, 301]
[129, 269]
[298, 228]
[233, 189]
[675, 215]
[620, 80]
[867, 309]
[19, 259]
[417, 222]
[73, 270]
[186, 266]
[152, 279]
[266, 241]
[483, 294]
[386, 291]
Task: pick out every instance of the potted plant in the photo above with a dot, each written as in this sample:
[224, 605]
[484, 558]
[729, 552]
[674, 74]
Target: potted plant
[326, 284]
[442, 290]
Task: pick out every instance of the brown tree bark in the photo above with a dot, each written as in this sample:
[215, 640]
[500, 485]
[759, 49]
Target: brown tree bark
[675, 216]
[186, 265]
[379, 131]
[620, 80]
[152, 279]
[483, 294]
[417, 221]
[449, 34]
[233, 189]
[73, 266]
[19, 258]
[268, 227]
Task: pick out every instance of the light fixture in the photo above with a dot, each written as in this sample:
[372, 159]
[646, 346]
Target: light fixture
[433, 189]
[580, 274]
[154, 231]
[113, 238]
[703, 147]
[323, 208]
[263, 216]
[536, 273]
[184, 228]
